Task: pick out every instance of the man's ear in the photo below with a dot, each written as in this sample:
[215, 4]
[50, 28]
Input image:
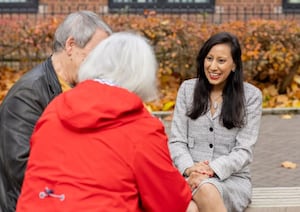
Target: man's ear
[70, 43]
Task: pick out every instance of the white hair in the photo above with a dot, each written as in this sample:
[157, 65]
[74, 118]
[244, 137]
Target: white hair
[125, 59]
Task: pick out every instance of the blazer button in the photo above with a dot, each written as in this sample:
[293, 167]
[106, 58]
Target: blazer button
[211, 129]
[211, 145]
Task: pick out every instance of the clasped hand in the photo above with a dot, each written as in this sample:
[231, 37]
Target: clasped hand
[198, 172]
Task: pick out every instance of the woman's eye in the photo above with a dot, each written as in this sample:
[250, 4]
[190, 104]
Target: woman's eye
[209, 58]
[222, 61]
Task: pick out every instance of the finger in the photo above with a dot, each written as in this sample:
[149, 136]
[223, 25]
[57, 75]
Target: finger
[206, 162]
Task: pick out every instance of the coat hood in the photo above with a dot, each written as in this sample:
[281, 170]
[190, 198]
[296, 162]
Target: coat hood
[92, 105]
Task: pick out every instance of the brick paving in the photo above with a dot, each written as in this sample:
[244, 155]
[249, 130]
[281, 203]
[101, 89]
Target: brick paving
[278, 141]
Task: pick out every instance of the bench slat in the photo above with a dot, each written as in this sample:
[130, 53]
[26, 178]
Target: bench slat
[275, 197]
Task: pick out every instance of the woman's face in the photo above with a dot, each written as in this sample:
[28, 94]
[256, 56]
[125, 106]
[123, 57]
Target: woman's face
[218, 64]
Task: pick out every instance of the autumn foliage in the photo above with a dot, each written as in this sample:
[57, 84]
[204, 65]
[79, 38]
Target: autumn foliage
[271, 55]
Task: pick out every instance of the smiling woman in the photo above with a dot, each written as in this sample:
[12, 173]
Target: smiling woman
[215, 127]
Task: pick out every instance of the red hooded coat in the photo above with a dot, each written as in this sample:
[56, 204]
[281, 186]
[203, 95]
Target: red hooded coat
[96, 148]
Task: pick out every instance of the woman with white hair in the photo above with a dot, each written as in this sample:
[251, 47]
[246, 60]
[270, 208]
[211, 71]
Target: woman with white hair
[97, 148]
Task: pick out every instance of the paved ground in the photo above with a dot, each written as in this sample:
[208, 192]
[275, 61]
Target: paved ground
[279, 141]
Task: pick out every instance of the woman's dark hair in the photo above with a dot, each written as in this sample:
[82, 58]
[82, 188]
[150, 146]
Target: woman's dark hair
[233, 106]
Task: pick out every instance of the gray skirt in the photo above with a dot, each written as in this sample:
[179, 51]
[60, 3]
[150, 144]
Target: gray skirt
[235, 191]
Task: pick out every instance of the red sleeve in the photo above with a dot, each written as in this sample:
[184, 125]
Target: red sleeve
[161, 186]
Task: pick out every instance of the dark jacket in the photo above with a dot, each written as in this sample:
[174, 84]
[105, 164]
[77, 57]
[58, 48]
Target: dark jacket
[19, 112]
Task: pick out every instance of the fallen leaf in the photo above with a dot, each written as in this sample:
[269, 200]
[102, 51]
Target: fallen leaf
[297, 79]
[296, 103]
[281, 99]
[168, 118]
[288, 165]
[168, 106]
[148, 107]
[286, 116]
[271, 90]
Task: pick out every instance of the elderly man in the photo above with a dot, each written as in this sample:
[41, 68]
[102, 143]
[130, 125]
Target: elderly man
[79, 33]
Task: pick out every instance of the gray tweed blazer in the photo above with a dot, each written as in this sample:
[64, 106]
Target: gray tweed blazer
[229, 151]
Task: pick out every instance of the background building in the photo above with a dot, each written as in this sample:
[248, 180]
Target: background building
[214, 10]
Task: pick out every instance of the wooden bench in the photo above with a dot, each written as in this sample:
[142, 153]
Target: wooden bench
[275, 199]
